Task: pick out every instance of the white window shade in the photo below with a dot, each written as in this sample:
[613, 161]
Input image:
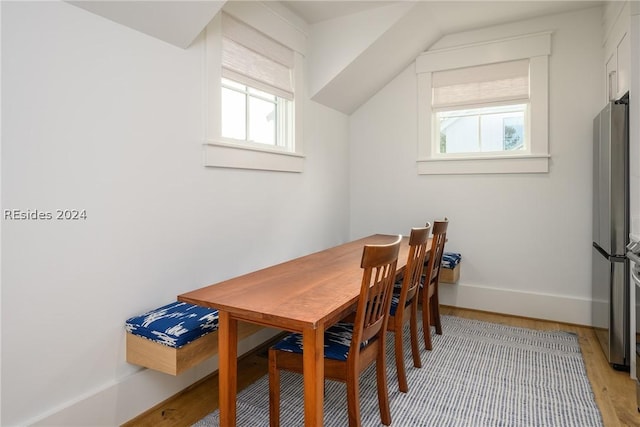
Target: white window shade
[252, 58]
[470, 86]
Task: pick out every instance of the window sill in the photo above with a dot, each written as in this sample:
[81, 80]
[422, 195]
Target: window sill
[228, 155]
[484, 165]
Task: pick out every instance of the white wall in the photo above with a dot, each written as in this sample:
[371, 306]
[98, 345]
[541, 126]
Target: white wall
[525, 238]
[100, 117]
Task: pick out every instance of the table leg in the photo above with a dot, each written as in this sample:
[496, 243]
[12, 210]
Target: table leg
[313, 368]
[227, 367]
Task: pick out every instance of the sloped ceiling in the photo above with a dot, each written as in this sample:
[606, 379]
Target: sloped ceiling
[383, 58]
[315, 11]
[175, 22]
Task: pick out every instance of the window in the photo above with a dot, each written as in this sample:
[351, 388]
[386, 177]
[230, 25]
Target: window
[254, 124]
[256, 87]
[251, 115]
[481, 130]
[483, 108]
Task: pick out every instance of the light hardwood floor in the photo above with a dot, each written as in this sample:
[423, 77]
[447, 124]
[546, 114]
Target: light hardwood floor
[614, 391]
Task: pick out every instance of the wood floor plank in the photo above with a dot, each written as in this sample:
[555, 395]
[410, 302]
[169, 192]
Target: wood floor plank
[614, 391]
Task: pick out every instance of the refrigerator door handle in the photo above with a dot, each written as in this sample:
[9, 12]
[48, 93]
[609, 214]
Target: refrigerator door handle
[612, 258]
[600, 250]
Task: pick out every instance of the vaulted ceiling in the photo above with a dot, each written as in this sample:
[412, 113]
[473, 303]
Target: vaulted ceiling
[355, 47]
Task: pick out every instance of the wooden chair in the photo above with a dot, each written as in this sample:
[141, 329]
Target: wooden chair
[349, 347]
[404, 302]
[430, 302]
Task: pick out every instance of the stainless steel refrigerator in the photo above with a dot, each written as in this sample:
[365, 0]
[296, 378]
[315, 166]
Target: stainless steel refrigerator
[610, 267]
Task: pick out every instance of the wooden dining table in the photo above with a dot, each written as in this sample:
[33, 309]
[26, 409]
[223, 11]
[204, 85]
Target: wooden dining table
[306, 295]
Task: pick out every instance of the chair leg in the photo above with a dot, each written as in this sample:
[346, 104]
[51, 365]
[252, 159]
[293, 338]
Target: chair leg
[399, 351]
[413, 328]
[436, 312]
[383, 391]
[426, 318]
[353, 397]
[274, 390]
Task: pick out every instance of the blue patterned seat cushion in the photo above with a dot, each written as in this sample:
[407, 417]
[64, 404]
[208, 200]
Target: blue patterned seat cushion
[395, 297]
[337, 340]
[395, 300]
[450, 259]
[175, 324]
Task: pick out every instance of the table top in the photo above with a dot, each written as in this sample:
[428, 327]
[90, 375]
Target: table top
[307, 292]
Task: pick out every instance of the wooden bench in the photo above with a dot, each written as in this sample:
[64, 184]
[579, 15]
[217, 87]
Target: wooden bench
[176, 337]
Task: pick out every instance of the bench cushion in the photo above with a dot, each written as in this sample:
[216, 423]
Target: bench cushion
[450, 259]
[175, 324]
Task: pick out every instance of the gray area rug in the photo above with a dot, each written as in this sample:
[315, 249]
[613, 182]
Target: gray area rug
[478, 374]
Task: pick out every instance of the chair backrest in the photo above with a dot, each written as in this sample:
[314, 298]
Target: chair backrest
[432, 271]
[379, 264]
[418, 241]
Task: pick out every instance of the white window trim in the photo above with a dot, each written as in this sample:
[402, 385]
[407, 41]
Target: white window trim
[224, 153]
[250, 156]
[536, 48]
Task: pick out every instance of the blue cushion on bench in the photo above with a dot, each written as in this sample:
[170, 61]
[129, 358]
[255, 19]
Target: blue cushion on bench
[175, 324]
[450, 259]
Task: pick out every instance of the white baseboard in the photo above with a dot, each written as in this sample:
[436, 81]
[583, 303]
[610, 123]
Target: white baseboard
[117, 403]
[559, 308]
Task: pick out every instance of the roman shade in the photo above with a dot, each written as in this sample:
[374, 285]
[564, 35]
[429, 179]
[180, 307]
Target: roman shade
[479, 85]
[254, 59]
